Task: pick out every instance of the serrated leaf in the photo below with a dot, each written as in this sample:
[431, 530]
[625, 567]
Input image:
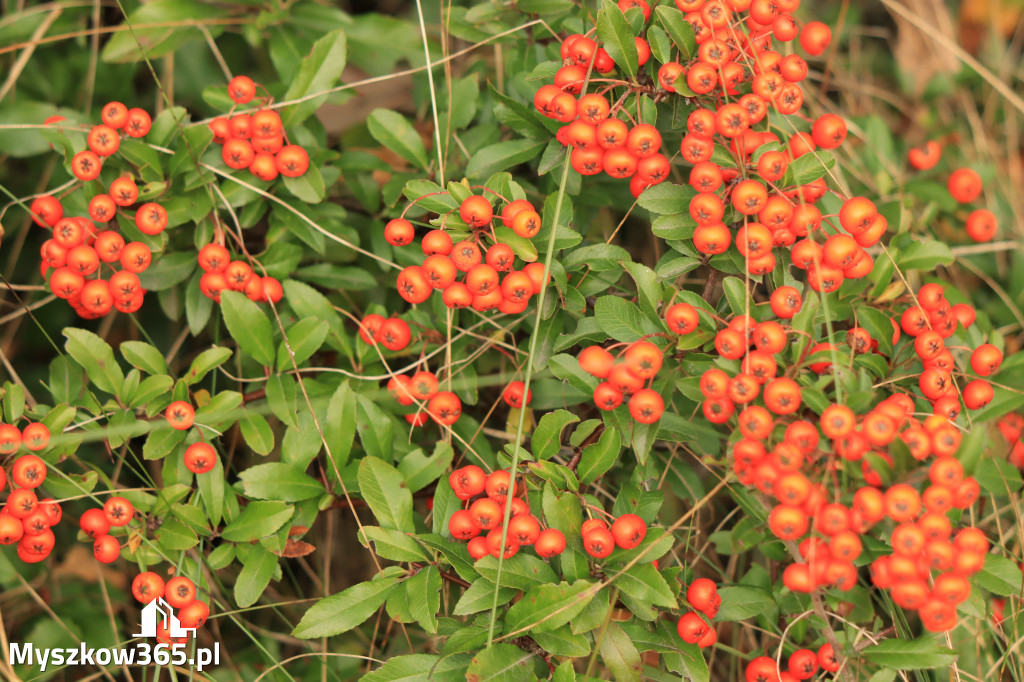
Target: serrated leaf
[424, 591]
[622, 320]
[741, 602]
[256, 432]
[1000, 576]
[345, 610]
[501, 663]
[547, 607]
[910, 654]
[620, 655]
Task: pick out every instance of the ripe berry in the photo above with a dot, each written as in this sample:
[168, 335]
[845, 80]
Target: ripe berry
[28, 471]
[550, 542]
[94, 523]
[599, 543]
[399, 232]
[200, 458]
[179, 592]
[241, 89]
[180, 415]
[147, 586]
[106, 549]
[628, 530]
[964, 185]
[513, 395]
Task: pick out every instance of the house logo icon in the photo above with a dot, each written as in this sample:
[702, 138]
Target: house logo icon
[158, 611]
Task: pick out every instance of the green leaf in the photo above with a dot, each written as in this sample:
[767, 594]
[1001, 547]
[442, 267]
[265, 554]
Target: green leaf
[375, 427]
[644, 583]
[809, 168]
[501, 663]
[479, 596]
[547, 437]
[909, 654]
[383, 488]
[256, 432]
[416, 667]
[666, 198]
[144, 356]
[393, 131]
[622, 320]
[547, 607]
[174, 536]
[998, 477]
[305, 338]
[257, 570]
[736, 293]
[206, 361]
[502, 155]
[257, 520]
[620, 654]
[925, 254]
[345, 610]
[249, 326]
[308, 187]
[678, 29]
[1000, 576]
[96, 357]
[279, 481]
[522, 571]
[599, 457]
[162, 442]
[320, 70]
[420, 471]
[562, 642]
[340, 428]
[741, 603]
[178, 22]
[617, 37]
[424, 590]
[392, 544]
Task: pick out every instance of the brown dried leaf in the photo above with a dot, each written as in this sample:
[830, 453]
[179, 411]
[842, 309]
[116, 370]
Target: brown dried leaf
[296, 548]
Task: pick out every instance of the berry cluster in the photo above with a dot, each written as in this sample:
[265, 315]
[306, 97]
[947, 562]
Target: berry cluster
[600, 539]
[482, 284]
[693, 628]
[180, 594]
[97, 523]
[964, 185]
[421, 388]
[220, 273]
[77, 250]
[637, 365]
[258, 141]
[488, 512]
[25, 519]
[782, 463]
[803, 664]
